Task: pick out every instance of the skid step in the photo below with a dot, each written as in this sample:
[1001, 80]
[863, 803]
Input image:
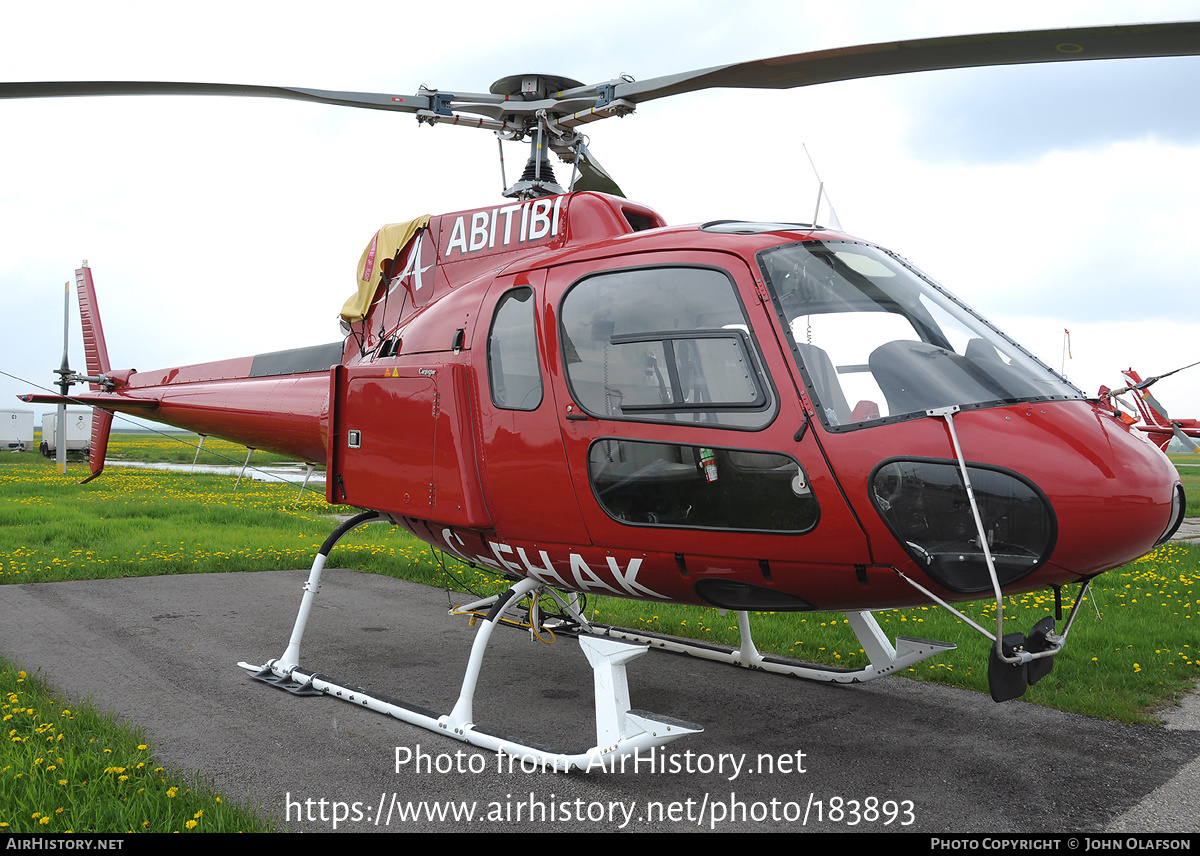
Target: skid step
[285, 682]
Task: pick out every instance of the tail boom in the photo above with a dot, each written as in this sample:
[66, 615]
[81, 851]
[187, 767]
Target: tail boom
[274, 401]
[286, 414]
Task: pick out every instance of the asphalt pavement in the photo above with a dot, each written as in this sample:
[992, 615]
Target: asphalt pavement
[776, 754]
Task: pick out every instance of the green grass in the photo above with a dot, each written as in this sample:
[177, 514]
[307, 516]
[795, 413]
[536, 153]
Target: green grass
[184, 448]
[128, 523]
[1144, 653]
[65, 767]
[176, 447]
[136, 522]
[133, 522]
[1141, 656]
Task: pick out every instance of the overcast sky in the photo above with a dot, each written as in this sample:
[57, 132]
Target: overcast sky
[1047, 197]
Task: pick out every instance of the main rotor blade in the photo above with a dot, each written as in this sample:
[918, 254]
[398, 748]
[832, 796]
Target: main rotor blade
[851, 63]
[75, 88]
[1185, 440]
[1154, 403]
[1151, 380]
[619, 96]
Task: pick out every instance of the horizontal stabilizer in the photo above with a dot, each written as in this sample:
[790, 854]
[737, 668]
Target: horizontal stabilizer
[122, 404]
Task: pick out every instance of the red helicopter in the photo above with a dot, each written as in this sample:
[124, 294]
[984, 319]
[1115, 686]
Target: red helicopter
[753, 416]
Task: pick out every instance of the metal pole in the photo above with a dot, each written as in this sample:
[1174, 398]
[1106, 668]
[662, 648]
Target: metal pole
[64, 386]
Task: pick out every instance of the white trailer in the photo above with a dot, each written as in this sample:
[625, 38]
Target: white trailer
[78, 431]
[16, 430]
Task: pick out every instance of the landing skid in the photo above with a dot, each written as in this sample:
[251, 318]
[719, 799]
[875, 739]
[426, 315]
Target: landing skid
[885, 659]
[620, 730]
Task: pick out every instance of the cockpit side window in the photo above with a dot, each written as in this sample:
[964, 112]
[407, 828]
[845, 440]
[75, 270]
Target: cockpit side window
[667, 344]
[513, 373]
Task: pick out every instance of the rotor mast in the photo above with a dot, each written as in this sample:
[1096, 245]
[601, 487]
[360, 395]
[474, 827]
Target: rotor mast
[538, 177]
[64, 386]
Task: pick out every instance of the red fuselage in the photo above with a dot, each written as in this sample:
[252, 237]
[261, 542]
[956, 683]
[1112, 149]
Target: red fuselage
[514, 413]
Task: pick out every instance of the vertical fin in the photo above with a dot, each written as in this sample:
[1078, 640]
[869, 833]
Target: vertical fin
[101, 423]
[94, 347]
[96, 353]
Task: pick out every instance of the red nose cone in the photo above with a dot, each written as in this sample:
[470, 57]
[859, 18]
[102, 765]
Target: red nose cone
[1116, 498]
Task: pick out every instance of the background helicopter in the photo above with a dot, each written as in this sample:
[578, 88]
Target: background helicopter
[112, 336]
[1155, 422]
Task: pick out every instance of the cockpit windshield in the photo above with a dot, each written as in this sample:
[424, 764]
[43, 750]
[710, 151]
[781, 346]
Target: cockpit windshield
[877, 341]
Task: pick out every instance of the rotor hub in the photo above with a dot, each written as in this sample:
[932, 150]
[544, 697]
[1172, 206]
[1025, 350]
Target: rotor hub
[532, 87]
